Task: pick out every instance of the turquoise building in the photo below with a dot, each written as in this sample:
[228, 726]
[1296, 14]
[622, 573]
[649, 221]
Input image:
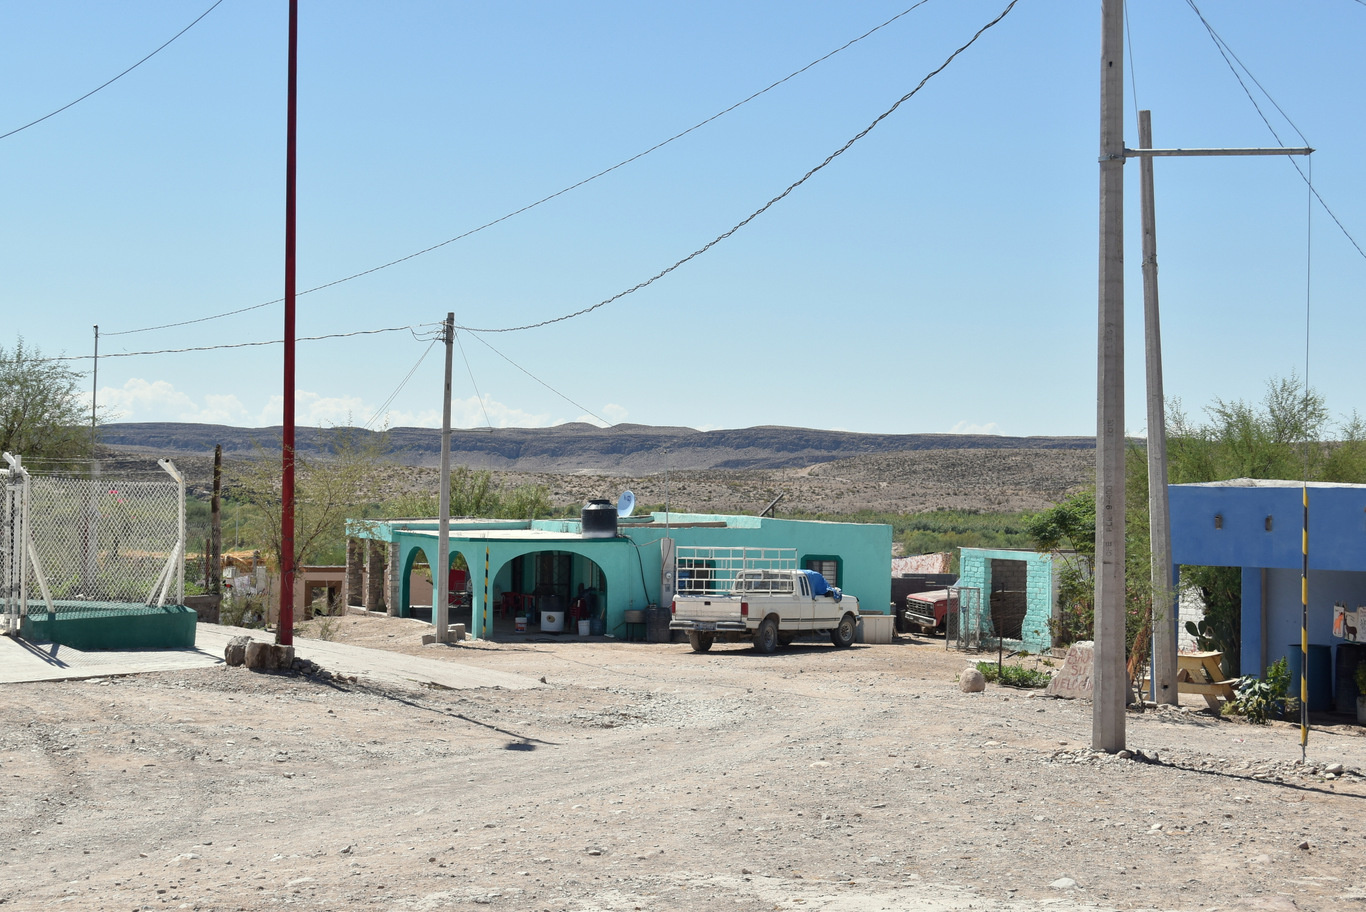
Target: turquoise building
[1019, 592]
[523, 568]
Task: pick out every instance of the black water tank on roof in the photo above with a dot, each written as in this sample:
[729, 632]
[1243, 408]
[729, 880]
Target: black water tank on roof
[599, 519]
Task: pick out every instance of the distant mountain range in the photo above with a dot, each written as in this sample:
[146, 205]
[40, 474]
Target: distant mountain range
[625, 449]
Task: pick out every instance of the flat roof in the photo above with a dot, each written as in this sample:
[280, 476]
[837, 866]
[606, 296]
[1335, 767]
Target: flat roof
[1264, 483]
[503, 534]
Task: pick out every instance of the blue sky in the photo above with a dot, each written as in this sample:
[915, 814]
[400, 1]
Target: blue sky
[939, 276]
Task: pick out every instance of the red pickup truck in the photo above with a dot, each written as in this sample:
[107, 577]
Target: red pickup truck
[929, 610]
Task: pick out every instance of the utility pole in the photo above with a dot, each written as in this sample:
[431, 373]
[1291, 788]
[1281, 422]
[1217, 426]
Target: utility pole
[1108, 677]
[441, 576]
[1159, 513]
[1165, 687]
[216, 525]
[285, 633]
[94, 399]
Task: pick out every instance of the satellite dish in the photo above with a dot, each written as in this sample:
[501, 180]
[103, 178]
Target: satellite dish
[626, 504]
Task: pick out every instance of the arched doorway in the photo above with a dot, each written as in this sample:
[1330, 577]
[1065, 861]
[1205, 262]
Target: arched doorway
[548, 592]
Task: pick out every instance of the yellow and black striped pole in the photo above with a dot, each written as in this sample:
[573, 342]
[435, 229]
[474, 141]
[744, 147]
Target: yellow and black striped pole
[1304, 628]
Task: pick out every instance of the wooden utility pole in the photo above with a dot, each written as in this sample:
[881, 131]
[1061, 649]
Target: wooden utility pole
[1159, 513]
[1110, 685]
[216, 525]
[441, 575]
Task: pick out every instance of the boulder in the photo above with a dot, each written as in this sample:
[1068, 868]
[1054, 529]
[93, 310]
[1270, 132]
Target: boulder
[972, 681]
[269, 656]
[236, 651]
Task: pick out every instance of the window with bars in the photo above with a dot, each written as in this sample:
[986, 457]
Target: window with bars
[828, 567]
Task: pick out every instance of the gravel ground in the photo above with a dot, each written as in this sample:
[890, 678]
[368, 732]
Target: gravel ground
[645, 777]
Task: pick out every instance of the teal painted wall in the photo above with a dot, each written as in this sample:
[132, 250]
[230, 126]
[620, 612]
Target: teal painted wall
[974, 572]
[136, 627]
[631, 563]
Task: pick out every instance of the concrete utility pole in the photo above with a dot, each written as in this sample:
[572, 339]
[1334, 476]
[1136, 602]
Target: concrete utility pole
[1165, 688]
[1109, 678]
[441, 576]
[1159, 514]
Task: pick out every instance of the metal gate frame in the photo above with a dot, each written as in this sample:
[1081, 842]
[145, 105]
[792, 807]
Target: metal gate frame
[13, 555]
[966, 627]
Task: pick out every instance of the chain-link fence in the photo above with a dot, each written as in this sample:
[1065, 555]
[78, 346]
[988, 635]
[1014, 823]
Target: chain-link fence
[89, 544]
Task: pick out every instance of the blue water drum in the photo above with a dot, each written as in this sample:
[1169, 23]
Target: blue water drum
[1320, 675]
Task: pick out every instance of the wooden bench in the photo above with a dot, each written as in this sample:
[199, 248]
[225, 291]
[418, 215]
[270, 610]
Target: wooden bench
[1201, 673]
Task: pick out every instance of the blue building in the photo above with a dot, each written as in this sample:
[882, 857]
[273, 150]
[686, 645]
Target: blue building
[1256, 525]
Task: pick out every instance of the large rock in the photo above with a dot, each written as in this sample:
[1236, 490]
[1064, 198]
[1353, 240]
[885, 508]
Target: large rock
[269, 656]
[236, 651]
[1074, 680]
[972, 681]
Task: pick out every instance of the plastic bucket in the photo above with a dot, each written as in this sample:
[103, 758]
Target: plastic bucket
[585, 627]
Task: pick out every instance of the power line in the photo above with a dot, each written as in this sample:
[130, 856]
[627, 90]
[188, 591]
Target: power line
[540, 381]
[1227, 52]
[544, 199]
[470, 370]
[384, 407]
[203, 348]
[762, 209]
[115, 79]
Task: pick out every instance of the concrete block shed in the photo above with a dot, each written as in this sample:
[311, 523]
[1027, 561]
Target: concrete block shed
[1256, 525]
[538, 567]
[1019, 590]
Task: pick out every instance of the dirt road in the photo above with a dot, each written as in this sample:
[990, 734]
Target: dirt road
[643, 777]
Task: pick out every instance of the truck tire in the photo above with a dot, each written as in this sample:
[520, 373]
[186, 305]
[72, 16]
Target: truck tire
[700, 642]
[843, 634]
[766, 637]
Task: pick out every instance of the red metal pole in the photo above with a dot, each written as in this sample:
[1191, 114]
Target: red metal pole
[285, 634]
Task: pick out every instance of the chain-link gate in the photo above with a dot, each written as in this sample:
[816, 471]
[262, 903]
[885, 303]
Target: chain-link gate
[14, 603]
[966, 625]
[86, 545]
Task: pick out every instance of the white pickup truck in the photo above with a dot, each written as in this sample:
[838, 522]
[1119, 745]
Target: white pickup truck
[737, 594]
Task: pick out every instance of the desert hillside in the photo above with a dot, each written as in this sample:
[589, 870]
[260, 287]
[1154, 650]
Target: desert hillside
[815, 471]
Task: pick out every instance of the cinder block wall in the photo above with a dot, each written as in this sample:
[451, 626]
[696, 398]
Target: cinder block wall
[974, 572]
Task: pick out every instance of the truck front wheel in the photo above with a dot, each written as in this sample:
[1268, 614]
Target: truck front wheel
[700, 642]
[843, 635]
[766, 637]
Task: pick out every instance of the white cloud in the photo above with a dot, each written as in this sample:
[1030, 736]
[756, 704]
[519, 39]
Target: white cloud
[158, 400]
[964, 427]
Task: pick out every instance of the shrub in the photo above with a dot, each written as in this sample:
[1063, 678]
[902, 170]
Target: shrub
[1014, 675]
[1260, 699]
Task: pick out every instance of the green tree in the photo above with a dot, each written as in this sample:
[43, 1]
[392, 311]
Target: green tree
[1280, 437]
[1068, 529]
[42, 417]
[474, 493]
[328, 489]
